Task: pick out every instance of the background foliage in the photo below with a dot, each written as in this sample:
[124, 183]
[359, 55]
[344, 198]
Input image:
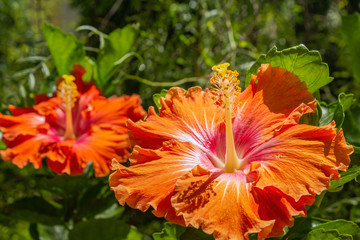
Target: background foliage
[156, 45]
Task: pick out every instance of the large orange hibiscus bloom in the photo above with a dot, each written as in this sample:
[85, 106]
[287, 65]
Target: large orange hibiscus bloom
[231, 163]
[71, 129]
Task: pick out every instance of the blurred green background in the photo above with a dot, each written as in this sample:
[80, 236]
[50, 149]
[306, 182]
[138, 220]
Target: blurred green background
[176, 39]
[173, 41]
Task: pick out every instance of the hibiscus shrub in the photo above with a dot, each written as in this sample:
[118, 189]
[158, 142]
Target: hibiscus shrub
[245, 157]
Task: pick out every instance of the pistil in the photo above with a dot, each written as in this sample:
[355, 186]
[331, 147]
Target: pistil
[230, 155]
[67, 92]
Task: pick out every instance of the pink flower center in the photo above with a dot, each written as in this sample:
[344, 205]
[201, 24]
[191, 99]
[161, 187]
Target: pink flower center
[226, 89]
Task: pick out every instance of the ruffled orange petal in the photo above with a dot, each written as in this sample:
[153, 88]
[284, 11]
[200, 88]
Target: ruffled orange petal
[24, 149]
[301, 160]
[20, 134]
[18, 111]
[271, 80]
[187, 116]
[53, 112]
[221, 204]
[48, 107]
[261, 112]
[273, 204]
[62, 159]
[79, 71]
[86, 98]
[116, 110]
[151, 178]
[98, 146]
[25, 124]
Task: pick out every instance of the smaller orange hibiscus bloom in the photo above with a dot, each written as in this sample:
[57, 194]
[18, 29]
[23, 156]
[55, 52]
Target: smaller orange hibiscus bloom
[71, 129]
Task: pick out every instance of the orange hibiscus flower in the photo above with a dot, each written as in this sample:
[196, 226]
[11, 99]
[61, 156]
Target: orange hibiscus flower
[231, 163]
[71, 129]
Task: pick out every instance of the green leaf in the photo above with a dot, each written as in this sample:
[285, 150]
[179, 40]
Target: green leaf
[64, 185]
[35, 210]
[312, 118]
[335, 111]
[327, 234]
[111, 212]
[11, 229]
[117, 44]
[350, 28]
[346, 100]
[316, 228]
[195, 234]
[96, 200]
[90, 67]
[302, 226]
[342, 227]
[157, 96]
[33, 59]
[346, 177]
[319, 199]
[332, 112]
[355, 214]
[56, 232]
[2, 145]
[65, 49]
[170, 231]
[307, 65]
[352, 126]
[253, 236]
[173, 231]
[104, 229]
[356, 149]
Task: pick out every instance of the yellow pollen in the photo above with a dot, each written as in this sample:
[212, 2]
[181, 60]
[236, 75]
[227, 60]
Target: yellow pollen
[221, 68]
[224, 80]
[67, 92]
[225, 89]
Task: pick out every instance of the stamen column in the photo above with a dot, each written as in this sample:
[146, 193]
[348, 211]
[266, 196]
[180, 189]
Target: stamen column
[68, 93]
[230, 155]
[225, 89]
